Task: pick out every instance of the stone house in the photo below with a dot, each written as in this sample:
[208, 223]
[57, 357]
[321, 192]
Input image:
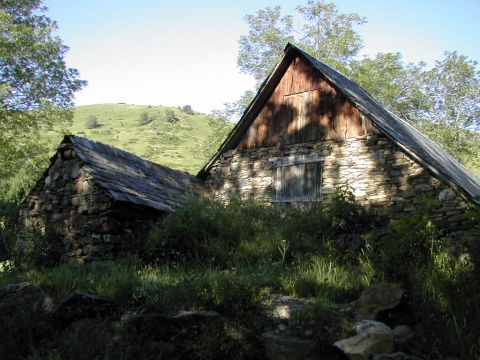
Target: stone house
[99, 199]
[310, 129]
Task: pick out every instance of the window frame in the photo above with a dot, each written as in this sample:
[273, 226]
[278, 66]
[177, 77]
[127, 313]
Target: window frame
[296, 166]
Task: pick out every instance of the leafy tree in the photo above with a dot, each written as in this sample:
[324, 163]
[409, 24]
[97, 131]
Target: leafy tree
[36, 86]
[323, 32]
[460, 143]
[454, 87]
[399, 87]
[92, 122]
[328, 34]
[263, 46]
[221, 123]
[221, 127]
[188, 109]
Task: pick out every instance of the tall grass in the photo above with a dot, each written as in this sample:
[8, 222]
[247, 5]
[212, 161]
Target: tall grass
[233, 257]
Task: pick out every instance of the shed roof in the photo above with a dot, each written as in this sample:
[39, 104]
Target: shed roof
[408, 138]
[127, 177]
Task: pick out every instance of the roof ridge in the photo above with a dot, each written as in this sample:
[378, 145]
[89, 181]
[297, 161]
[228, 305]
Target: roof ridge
[410, 139]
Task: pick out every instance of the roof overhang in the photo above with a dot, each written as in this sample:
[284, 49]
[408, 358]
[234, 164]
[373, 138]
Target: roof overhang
[409, 139]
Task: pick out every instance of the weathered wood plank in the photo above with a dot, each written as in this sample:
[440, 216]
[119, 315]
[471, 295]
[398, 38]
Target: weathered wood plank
[304, 107]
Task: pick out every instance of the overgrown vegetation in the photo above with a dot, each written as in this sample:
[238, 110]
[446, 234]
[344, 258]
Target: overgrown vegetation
[231, 257]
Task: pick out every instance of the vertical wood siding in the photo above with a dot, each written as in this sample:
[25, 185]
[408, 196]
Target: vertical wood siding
[297, 179]
[304, 107]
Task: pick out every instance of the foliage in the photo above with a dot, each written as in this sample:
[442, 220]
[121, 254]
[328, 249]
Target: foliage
[144, 118]
[92, 122]
[39, 250]
[328, 280]
[460, 143]
[454, 87]
[171, 117]
[399, 87]
[262, 48]
[449, 93]
[329, 35]
[446, 297]
[221, 128]
[440, 278]
[255, 250]
[408, 242]
[207, 230]
[8, 230]
[36, 86]
[187, 109]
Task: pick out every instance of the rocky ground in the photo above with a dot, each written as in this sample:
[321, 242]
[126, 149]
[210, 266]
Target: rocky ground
[85, 326]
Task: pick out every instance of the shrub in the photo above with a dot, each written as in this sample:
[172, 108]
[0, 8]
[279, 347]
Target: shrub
[8, 230]
[209, 231]
[92, 122]
[409, 242]
[145, 118]
[171, 117]
[187, 109]
[39, 251]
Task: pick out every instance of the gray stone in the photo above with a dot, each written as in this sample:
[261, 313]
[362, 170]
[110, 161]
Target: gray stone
[283, 347]
[377, 298]
[379, 157]
[402, 334]
[284, 308]
[446, 195]
[25, 297]
[77, 306]
[75, 171]
[394, 356]
[372, 337]
[159, 327]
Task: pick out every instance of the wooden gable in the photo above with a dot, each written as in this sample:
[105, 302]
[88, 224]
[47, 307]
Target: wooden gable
[304, 107]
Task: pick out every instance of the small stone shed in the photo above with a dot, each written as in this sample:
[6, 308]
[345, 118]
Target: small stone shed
[98, 199]
[310, 129]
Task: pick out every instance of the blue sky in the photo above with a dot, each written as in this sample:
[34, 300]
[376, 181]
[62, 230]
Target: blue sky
[180, 52]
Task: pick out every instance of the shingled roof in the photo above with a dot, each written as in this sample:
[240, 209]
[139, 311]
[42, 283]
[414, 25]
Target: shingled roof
[409, 139]
[127, 177]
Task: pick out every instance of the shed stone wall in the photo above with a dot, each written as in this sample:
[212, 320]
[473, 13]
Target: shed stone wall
[379, 173]
[88, 223]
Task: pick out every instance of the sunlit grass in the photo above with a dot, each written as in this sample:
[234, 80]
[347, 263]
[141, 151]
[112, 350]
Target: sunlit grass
[174, 145]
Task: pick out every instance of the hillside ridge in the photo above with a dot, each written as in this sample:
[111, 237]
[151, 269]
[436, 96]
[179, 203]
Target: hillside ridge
[166, 135]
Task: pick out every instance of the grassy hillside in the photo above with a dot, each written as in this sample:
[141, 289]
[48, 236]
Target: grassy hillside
[177, 142]
[172, 141]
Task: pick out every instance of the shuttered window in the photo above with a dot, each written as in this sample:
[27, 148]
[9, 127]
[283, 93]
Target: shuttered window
[297, 178]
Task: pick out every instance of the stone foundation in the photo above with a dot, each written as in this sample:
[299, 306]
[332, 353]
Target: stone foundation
[381, 176]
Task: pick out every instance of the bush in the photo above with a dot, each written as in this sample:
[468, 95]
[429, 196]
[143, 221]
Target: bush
[8, 230]
[171, 117]
[209, 231]
[145, 118]
[408, 243]
[187, 109]
[92, 122]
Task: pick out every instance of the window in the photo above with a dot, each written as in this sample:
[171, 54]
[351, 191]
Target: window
[297, 178]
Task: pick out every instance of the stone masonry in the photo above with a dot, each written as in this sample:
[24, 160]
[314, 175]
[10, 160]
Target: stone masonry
[84, 218]
[379, 173]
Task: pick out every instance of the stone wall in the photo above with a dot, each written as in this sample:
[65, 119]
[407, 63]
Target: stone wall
[379, 173]
[88, 223]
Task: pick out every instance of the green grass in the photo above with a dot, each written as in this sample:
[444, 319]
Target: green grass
[174, 145]
[211, 255]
